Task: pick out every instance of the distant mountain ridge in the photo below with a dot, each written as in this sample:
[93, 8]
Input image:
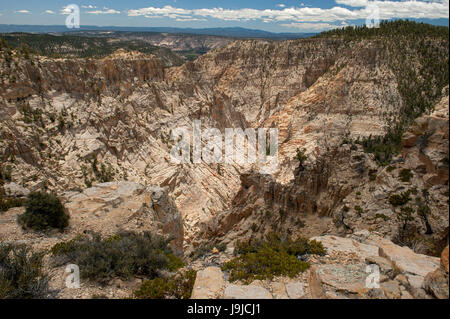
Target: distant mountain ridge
[235, 32]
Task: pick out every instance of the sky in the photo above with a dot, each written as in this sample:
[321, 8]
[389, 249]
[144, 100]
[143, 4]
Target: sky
[269, 15]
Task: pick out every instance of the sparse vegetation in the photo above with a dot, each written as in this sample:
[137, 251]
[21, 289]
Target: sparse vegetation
[359, 210]
[301, 157]
[179, 286]
[5, 174]
[373, 174]
[123, 255]
[81, 46]
[101, 173]
[418, 55]
[274, 256]
[43, 212]
[405, 175]
[400, 199]
[390, 169]
[21, 273]
[382, 216]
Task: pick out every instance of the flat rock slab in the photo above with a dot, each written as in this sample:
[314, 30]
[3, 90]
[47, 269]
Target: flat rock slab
[347, 245]
[209, 284]
[408, 261]
[346, 281]
[246, 292]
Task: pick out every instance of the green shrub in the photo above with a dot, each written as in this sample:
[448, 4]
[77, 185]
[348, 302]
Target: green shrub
[179, 286]
[382, 216]
[301, 157]
[259, 260]
[384, 147]
[406, 213]
[21, 273]
[373, 174]
[5, 174]
[400, 199]
[43, 212]
[405, 175]
[174, 262]
[390, 168]
[123, 255]
[359, 210]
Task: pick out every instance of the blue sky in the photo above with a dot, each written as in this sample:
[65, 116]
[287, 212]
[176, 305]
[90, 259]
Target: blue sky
[276, 16]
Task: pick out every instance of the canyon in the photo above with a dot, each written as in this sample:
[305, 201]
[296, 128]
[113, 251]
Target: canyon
[97, 132]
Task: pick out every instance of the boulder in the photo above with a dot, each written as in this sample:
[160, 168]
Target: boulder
[209, 284]
[415, 282]
[391, 289]
[436, 283]
[13, 189]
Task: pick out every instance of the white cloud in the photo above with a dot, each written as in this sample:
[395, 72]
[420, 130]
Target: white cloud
[49, 12]
[22, 11]
[90, 6]
[165, 11]
[189, 19]
[66, 10]
[353, 3]
[280, 5]
[104, 11]
[388, 9]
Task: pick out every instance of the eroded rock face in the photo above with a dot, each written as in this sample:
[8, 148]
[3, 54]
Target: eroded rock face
[68, 124]
[119, 112]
